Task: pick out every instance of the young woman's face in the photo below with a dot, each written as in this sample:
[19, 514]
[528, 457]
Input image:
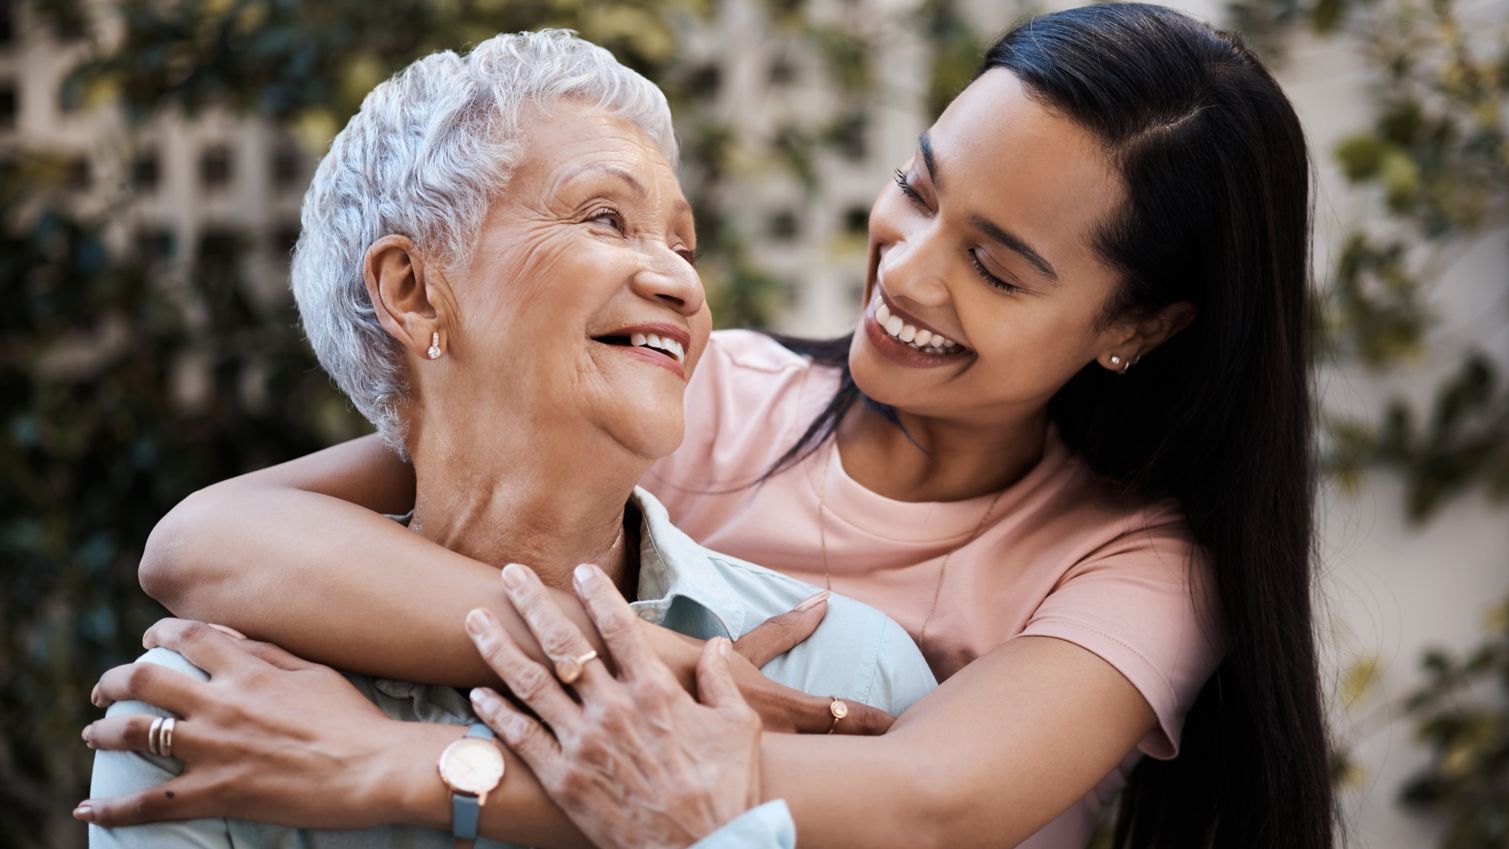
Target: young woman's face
[986, 239]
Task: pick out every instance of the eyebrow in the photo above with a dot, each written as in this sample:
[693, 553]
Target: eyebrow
[996, 232]
[612, 171]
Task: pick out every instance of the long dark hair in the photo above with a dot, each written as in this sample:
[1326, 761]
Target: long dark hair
[1217, 213]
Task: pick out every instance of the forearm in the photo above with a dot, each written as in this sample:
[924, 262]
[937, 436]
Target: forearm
[335, 583]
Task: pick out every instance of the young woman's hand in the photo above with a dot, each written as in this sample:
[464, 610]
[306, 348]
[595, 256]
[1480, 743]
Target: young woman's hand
[269, 737]
[637, 762]
[781, 708]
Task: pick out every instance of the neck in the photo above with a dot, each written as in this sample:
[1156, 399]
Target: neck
[951, 460]
[501, 503]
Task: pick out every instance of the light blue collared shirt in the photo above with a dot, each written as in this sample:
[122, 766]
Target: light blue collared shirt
[858, 654]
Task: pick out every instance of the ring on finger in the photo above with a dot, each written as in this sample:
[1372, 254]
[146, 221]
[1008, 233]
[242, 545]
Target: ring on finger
[154, 733]
[569, 669]
[839, 709]
[165, 739]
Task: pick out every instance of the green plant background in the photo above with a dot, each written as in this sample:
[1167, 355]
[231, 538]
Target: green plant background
[97, 445]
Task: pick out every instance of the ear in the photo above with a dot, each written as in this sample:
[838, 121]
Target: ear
[1139, 337]
[410, 299]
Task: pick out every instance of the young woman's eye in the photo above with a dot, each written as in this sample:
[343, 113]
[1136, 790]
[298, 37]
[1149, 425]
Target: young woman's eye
[905, 185]
[609, 216]
[989, 278]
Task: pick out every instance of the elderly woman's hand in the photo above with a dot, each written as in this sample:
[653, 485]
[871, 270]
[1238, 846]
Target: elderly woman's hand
[638, 762]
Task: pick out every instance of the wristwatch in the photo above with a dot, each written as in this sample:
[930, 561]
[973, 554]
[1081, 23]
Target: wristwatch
[471, 767]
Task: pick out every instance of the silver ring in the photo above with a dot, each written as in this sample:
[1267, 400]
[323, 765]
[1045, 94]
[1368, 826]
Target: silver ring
[154, 734]
[165, 738]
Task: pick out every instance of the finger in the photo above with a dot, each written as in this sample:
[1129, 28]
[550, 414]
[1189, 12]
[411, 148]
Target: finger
[615, 620]
[715, 681]
[526, 737]
[780, 634]
[129, 734]
[181, 798]
[156, 685]
[526, 679]
[276, 655]
[862, 720]
[204, 646]
[557, 635]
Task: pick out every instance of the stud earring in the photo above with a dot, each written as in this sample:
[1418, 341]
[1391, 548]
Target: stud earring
[434, 351]
[1115, 360]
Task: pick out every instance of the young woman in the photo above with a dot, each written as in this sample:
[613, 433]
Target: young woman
[1068, 448]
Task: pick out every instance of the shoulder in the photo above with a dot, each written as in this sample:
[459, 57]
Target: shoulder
[747, 401]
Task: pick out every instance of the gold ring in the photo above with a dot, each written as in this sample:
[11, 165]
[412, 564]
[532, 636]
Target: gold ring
[840, 709]
[165, 737]
[569, 669]
[154, 734]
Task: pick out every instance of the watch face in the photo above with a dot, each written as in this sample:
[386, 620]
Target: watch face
[471, 765]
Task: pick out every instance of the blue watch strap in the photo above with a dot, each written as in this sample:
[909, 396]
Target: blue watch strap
[465, 809]
[464, 814]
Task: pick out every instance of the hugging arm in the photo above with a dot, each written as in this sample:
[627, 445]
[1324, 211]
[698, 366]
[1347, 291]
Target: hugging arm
[300, 555]
[267, 552]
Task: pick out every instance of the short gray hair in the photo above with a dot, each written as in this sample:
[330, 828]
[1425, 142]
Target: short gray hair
[424, 157]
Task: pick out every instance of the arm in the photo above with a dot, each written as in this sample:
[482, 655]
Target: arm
[267, 552]
[979, 762]
[300, 555]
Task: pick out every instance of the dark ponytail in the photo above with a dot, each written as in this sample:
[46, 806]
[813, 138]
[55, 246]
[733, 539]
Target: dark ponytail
[1220, 417]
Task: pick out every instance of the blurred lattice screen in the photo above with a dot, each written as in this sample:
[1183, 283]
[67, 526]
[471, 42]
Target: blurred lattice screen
[152, 160]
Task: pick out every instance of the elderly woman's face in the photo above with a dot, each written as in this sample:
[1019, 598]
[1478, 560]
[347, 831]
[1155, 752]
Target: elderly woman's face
[585, 256]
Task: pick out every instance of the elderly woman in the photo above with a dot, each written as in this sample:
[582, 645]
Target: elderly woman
[496, 267]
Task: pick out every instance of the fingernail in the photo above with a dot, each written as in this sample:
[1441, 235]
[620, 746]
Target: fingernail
[814, 601]
[85, 734]
[584, 574]
[148, 641]
[94, 696]
[84, 812]
[723, 646]
[484, 701]
[477, 620]
[513, 576]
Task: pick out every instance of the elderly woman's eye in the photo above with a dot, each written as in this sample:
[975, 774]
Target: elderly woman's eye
[609, 216]
[689, 255]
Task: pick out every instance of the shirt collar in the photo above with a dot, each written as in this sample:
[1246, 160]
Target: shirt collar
[681, 585]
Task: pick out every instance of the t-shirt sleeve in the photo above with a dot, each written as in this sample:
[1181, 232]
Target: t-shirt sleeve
[1133, 604]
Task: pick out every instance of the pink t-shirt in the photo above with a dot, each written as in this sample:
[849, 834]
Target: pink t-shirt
[1060, 557]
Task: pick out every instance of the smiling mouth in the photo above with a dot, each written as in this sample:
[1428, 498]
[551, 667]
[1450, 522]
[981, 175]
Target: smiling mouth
[900, 329]
[659, 344]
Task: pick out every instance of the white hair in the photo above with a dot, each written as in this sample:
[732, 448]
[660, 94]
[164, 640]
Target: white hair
[424, 157]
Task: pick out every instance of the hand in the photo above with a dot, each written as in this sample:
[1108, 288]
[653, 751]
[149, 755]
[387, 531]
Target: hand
[781, 708]
[639, 762]
[269, 737]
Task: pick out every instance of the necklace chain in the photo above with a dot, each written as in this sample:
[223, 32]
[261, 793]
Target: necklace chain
[822, 534]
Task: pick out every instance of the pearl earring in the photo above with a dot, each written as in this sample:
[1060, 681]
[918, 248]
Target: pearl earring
[1115, 360]
[434, 351]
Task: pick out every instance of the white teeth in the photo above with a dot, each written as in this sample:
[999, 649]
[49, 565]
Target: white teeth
[650, 340]
[894, 324]
[908, 333]
[923, 336]
[882, 313]
[898, 329]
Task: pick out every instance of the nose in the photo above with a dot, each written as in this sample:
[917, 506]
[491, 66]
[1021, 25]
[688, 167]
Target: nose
[670, 280]
[914, 268]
